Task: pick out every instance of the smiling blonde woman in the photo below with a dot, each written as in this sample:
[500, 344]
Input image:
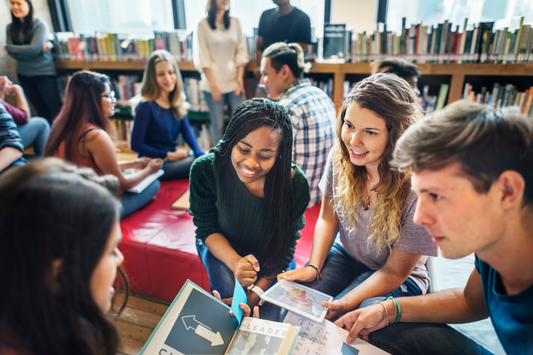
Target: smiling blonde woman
[378, 249]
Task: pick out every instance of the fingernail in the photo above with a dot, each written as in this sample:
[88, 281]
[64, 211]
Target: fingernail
[349, 340]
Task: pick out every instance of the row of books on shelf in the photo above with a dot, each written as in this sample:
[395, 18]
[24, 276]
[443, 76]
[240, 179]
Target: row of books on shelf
[502, 96]
[442, 43]
[429, 103]
[113, 47]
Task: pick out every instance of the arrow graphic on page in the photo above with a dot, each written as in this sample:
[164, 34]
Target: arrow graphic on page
[202, 330]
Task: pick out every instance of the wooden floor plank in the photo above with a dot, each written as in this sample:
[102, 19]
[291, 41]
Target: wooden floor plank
[137, 322]
[130, 346]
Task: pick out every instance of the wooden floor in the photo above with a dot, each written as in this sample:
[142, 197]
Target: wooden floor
[137, 322]
[139, 319]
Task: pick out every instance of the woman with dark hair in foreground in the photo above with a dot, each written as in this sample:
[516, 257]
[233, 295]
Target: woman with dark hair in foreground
[59, 233]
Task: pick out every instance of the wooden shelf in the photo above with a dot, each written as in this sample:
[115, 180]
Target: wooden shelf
[339, 72]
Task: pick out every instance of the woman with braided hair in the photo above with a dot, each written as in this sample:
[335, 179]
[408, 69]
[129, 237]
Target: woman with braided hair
[366, 244]
[248, 201]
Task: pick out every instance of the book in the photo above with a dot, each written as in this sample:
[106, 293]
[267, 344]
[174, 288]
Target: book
[198, 323]
[325, 338]
[298, 298]
[443, 93]
[182, 203]
[334, 42]
[146, 182]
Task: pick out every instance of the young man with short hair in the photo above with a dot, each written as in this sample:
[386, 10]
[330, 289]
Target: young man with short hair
[312, 112]
[473, 174]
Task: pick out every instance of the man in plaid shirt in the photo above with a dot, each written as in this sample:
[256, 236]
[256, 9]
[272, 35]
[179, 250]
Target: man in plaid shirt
[312, 112]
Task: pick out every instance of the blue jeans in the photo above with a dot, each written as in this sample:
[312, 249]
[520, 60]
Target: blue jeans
[216, 111]
[35, 132]
[222, 279]
[178, 169]
[341, 273]
[423, 339]
[131, 201]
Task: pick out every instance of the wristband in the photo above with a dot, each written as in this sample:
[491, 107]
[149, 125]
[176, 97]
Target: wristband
[318, 274]
[397, 309]
[258, 291]
[385, 308]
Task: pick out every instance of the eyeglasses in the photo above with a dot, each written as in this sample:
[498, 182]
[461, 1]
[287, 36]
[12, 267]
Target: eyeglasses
[110, 95]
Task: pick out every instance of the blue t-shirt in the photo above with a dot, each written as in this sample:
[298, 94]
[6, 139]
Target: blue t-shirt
[155, 130]
[512, 316]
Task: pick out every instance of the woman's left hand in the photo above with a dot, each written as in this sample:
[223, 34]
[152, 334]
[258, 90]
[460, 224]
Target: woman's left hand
[240, 87]
[47, 46]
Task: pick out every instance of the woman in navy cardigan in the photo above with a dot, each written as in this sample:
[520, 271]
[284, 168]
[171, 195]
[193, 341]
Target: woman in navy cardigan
[162, 116]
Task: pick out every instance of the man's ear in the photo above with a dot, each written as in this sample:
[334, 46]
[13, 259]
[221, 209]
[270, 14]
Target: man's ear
[512, 186]
[286, 72]
[52, 275]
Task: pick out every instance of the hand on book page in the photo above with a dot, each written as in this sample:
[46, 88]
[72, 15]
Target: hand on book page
[326, 338]
[361, 322]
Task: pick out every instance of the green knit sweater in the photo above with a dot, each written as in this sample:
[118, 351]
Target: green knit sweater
[221, 203]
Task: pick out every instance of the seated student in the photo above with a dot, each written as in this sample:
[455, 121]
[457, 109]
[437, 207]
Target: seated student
[400, 67]
[79, 136]
[33, 131]
[162, 116]
[473, 172]
[11, 147]
[378, 250]
[311, 110]
[58, 260]
[59, 270]
[248, 201]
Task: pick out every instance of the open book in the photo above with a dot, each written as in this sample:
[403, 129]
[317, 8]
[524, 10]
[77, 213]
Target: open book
[325, 338]
[146, 182]
[198, 323]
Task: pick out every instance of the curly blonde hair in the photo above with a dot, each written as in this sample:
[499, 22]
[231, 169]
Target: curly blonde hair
[392, 99]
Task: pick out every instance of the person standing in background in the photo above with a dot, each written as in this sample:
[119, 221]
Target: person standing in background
[284, 23]
[405, 70]
[220, 55]
[27, 42]
[33, 131]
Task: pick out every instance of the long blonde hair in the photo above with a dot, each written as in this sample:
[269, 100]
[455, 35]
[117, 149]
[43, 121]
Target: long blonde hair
[392, 99]
[150, 88]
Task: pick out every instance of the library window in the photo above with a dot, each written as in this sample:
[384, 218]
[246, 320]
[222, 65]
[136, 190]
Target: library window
[135, 17]
[248, 12]
[504, 13]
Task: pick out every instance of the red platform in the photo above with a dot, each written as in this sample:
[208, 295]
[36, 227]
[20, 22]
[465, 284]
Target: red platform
[159, 249]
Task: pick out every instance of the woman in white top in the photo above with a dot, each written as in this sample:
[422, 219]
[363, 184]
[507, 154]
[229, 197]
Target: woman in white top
[220, 55]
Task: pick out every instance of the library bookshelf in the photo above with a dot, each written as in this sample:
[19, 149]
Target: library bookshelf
[340, 72]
